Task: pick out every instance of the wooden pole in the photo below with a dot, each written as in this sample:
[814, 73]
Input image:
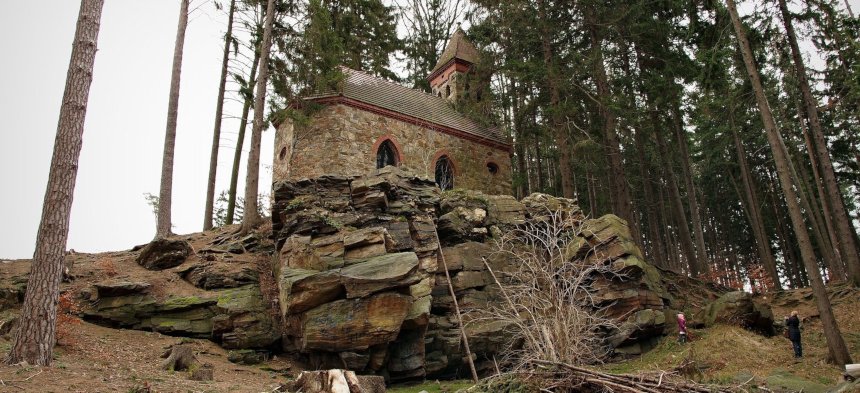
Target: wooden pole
[456, 307]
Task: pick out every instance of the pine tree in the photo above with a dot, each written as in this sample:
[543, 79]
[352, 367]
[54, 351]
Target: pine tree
[219, 109]
[836, 345]
[252, 217]
[165, 195]
[36, 333]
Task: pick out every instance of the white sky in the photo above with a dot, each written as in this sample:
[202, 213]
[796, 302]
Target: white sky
[126, 117]
[124, 131]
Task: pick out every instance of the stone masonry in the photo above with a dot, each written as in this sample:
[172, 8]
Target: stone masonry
[343, 139]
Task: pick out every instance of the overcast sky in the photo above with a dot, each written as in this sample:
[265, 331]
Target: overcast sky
[124, 131]
[126, 117]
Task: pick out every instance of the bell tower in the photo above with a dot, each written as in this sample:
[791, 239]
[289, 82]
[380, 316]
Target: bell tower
[448, 78]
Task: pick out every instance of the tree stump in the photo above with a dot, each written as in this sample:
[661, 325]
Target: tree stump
[206, 372]
[336, 381]
[179, 357]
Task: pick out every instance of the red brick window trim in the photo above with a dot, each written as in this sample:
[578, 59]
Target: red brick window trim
[449, 178]
[393, 144]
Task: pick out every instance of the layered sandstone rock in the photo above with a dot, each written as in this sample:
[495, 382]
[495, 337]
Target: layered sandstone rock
[355, 267]
[362, 285]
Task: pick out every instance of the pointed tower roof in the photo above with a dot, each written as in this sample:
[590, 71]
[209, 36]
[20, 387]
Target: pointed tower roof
[458, 47]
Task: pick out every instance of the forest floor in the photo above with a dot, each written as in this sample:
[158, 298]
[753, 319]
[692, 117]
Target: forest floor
[92, 358]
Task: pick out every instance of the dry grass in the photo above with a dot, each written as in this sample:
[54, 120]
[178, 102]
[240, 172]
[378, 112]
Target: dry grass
[722, 354]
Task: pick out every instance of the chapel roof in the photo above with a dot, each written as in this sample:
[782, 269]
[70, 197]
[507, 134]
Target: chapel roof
[458, 47]
[379, 92]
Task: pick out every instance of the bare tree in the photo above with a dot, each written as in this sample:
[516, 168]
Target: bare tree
[835, 342]
[252, 179]
[36, 334]
[165, 195]
[547, 299]
[219, 110]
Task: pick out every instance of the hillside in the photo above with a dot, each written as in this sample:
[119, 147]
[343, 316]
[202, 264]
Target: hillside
[93, 358]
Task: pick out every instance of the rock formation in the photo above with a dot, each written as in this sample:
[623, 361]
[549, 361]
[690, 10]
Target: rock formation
[361, 287]
[358, 284]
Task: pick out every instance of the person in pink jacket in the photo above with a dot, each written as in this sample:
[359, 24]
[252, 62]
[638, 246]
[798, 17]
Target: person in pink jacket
[682, 328]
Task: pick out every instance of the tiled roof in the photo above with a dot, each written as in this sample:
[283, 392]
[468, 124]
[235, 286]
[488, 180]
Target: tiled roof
[458, 47]
[379, 92]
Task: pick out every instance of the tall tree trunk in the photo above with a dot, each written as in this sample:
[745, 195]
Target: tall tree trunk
[251, 217]
[557, 124]
[165, 194]
[809, 204]
[240, 139]
[656, 242]
[684, 234]
[216, 134]
[686, 168]
[787, 244]
[844, 240]
[750, 199]
[835, 261]
[522, 175]
[36, 333]
[592, 193]
[541, 179]
[838, 351]
[622, 202]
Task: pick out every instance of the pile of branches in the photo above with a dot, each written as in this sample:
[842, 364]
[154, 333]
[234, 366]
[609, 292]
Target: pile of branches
[566, 377]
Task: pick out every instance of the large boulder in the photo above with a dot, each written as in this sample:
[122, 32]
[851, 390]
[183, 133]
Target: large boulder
[164, 253]
[236, 317]
[219, 274]
[737, 308]
[354, 324]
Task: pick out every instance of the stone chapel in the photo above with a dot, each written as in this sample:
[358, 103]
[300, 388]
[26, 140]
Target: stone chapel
[369, 123]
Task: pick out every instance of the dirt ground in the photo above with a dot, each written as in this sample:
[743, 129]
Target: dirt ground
[92, 358]
[99, 359]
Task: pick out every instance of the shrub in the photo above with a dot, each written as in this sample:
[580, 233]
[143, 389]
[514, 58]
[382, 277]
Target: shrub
[68, 310]
[547, 297]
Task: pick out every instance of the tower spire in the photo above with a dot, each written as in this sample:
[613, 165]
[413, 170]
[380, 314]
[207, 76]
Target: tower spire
[456, 60]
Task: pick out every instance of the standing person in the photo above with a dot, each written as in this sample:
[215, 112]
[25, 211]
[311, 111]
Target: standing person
[792, 323]
[682, 328]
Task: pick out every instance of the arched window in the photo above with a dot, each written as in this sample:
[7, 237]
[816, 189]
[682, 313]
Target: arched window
[447, 91]
[444, 173]
[386, 154]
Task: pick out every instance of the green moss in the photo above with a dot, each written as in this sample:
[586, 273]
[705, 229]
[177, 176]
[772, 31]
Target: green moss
[330, 221]
[181, 303]
[298, 202]
[467, 196]
[246, 298]
[432, 387]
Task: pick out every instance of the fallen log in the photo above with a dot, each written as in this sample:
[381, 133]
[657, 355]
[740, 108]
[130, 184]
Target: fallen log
[852, 370]
[633, 383]
[336, 381]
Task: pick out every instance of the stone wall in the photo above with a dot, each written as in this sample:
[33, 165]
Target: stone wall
[343, 140]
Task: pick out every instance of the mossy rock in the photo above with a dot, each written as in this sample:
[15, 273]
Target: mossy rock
[737, 308]
[452, 199]
[646, 272]
[783, 381]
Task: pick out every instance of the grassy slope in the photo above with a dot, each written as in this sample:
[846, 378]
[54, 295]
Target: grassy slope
[731, 355]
